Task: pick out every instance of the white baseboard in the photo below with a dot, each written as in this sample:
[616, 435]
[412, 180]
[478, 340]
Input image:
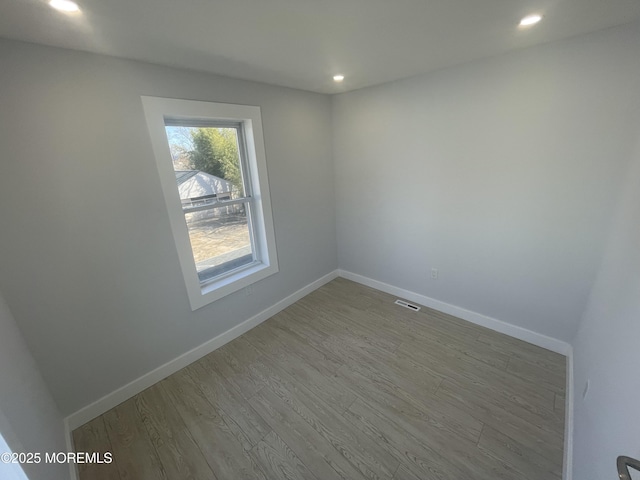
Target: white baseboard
[113, 399]
[567, 471]
[520, 333]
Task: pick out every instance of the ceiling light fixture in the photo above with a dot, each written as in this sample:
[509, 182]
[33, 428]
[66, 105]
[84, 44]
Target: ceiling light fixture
[530, 20]
[338, 78]
[64, 5]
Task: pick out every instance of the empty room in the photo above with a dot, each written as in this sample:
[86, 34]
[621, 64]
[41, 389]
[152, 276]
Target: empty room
[319, 240]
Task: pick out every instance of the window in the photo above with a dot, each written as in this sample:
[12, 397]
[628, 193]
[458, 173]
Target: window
[212, 166]
[10, 470]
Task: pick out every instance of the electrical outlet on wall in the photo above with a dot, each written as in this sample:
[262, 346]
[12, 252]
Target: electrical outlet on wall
[434, 273]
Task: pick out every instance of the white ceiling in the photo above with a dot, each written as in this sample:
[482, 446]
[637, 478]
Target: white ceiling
[302, 43]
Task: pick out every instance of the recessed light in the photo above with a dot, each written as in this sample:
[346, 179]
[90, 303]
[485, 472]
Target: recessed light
[338, 78]
[64, 5]
[530, 20]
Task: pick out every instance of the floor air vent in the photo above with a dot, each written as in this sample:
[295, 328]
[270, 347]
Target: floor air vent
[408, 305]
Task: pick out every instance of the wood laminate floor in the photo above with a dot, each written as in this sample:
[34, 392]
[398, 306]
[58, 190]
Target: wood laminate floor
[345, 385]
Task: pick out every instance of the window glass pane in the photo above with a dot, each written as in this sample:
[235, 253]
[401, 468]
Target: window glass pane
[207, 163]
[220, 239]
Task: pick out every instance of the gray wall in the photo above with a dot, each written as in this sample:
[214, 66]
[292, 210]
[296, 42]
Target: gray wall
[501, 173]
[606, 349]
[87, 259]
[29, 418]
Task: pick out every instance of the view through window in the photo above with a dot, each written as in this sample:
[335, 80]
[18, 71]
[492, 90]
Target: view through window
[215, 192]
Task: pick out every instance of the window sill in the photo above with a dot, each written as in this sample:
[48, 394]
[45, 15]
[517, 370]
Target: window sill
[218, 288]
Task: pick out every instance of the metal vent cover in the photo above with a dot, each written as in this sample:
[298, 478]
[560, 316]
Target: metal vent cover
[408, 305]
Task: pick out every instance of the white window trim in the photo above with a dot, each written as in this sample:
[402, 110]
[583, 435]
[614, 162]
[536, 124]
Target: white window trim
[156, 109]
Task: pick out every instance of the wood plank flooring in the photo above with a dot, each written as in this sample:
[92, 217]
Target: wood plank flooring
[345, 385]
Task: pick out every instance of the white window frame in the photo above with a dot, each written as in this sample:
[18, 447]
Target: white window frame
[157, 110]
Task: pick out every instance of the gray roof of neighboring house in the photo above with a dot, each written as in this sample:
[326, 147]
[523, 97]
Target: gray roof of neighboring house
[184, 175]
